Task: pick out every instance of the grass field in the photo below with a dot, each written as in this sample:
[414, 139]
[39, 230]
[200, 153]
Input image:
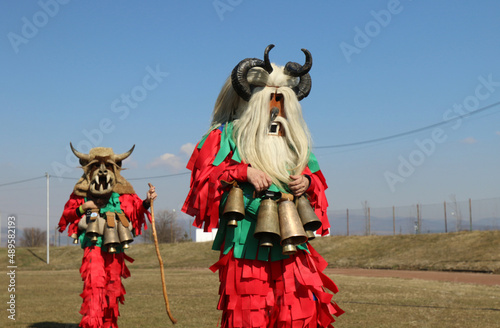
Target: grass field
[48, 295]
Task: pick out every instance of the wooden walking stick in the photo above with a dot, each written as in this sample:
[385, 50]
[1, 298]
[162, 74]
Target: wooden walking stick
[155, 237]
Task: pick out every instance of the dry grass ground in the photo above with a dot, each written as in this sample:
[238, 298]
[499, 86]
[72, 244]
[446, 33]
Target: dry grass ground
[48, 295]
[50, 299]
[476, 251]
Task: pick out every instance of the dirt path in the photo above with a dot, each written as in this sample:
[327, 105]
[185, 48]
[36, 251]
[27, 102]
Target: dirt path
[462, 277]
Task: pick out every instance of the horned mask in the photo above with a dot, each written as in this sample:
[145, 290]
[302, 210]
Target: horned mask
[269, 129]
[244, 88]
[101, 173]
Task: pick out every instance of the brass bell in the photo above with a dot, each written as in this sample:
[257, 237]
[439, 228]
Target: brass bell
[288, 248]
[292, 230]
[234, 210]
[310, 234]
[101, 223]
[92, 231]
[124, 232]
[132, 230]
[309, 219]
[267, 228]
[83, 224]
[111, 238]
[75, 238]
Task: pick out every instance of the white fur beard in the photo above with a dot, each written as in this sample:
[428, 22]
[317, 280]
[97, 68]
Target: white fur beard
[278, 156]
[274, 155]
[276, 159]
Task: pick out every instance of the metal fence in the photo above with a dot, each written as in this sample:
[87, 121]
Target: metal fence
[450, 216]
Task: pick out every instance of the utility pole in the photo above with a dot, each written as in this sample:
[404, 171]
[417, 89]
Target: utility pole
[172, 236]
[369, 223]
[189, 223]
[470, 214]
[347, 215]
[393, 221]
[445, 219]
[48, 223]
[418, 219]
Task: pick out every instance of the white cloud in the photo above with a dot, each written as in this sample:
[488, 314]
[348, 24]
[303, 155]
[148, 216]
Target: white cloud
[469, 140]
[168, 160]
[172, 161]
[187, 149]
[498, 133]
[130, 163]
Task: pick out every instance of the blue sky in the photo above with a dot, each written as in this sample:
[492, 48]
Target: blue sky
[147, 73]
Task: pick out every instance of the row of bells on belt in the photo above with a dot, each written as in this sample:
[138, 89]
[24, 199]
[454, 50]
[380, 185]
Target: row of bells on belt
[115, 232]
[288, 222]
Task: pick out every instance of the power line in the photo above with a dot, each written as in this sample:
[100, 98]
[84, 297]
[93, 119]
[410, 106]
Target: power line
[69, 178]
[141, 178]
[21, 181]
[364, 142]
[408, 132]
[160, 176]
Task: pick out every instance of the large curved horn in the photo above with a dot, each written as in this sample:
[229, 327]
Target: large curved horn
[119, 158]
[296, 70]
[267, 63]
[84, 158]
[303, 89]
[240, 71]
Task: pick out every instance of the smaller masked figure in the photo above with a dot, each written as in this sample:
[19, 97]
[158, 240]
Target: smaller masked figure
[104, 213]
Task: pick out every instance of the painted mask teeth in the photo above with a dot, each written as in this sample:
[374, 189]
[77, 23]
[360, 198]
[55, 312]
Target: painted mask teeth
[101, 183]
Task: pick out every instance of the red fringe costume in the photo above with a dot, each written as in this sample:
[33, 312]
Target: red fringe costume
[258, 289]
[102, 271]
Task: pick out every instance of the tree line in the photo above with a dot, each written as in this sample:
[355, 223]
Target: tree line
[168, 230]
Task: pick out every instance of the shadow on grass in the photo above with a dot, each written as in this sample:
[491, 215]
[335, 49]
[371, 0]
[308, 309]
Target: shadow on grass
[38, 257]
[53, 325]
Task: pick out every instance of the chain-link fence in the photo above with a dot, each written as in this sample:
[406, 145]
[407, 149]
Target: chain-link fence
[449, 216]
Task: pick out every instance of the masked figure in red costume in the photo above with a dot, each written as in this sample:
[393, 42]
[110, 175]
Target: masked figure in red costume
[104, 213]
[257, 153]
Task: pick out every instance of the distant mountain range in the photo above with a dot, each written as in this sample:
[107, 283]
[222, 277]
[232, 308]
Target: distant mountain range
[384, 225]
[338, 223]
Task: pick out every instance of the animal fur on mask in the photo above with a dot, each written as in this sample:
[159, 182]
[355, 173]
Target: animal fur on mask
[101, 173]
[246, 102]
